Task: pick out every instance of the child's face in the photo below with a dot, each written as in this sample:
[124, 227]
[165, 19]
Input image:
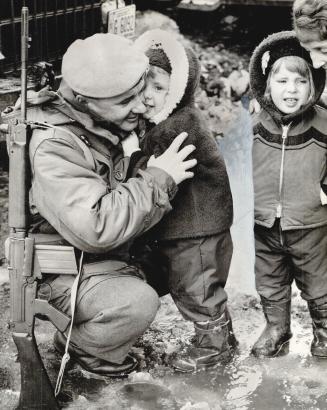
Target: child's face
[156, 90]
[289, 91]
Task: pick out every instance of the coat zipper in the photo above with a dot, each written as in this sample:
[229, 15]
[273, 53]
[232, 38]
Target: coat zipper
[285, 129]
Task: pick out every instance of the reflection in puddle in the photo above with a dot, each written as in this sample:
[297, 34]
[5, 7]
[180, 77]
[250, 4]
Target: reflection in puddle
[147, 396]
[244, 382]
[296, 381]
[290, 382]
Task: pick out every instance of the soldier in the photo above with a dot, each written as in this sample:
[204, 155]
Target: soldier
[79, 191]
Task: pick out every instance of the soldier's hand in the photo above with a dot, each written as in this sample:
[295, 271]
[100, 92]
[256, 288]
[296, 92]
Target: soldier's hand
[173, 161]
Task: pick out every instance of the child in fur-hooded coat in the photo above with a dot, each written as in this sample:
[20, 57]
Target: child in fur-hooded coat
[195, 235]
[290, 187]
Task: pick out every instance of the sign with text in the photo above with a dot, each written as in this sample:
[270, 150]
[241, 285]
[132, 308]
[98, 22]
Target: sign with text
[121, 21]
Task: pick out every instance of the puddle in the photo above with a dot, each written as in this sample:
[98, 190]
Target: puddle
[147, 396]
[290, 382]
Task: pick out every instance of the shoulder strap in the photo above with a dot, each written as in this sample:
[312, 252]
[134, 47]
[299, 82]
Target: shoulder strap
[76, 133]
[81, 140]
[97, 148]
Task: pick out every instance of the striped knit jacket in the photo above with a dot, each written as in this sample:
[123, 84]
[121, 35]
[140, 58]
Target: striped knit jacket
[289, 151]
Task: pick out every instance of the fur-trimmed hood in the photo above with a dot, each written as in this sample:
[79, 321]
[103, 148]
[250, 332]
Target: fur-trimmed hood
[185, 69]
[275, 46]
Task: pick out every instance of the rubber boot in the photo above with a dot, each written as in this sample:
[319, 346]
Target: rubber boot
[214, 343]
[319, 326]
[93, 366]
[274, 340]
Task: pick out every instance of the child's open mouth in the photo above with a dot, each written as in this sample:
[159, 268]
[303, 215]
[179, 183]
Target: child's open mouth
[290, 102]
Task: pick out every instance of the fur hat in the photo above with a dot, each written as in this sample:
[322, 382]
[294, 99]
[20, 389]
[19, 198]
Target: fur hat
[184, 65]
[272, 48]
[103, 65]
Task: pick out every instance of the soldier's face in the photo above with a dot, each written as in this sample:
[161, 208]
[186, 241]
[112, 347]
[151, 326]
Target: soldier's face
[121, 112]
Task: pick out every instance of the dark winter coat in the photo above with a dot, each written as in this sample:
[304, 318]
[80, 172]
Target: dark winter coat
[203, 205]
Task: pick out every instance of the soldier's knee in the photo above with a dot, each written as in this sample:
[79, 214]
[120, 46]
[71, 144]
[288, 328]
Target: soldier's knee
[117, 310]
[145, 305]
[141, 309]
[132, 317]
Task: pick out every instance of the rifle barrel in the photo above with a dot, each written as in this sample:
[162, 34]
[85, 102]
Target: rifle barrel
[18, 155]
[24, 59]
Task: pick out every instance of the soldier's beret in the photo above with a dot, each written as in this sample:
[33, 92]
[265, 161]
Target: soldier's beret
[103, 65]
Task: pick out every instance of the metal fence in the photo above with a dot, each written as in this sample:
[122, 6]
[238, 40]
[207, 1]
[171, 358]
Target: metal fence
[54, 24]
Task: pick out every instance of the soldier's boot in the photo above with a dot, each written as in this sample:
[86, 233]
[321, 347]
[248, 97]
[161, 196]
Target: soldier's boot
[94, 366]
[214, 343]
[274, 340]
[319, 326]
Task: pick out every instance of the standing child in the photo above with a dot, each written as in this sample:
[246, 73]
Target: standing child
[289, 167]
[195, 235]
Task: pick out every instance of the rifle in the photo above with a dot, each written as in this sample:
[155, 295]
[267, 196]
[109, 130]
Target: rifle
[27, 259]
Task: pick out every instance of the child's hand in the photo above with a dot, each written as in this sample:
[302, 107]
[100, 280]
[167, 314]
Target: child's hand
[130, 144]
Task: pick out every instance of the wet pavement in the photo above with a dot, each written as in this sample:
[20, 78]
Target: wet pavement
[295, 381]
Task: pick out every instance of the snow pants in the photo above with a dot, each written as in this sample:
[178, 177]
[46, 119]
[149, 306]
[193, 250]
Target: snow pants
[197, 273]
[284, 256]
